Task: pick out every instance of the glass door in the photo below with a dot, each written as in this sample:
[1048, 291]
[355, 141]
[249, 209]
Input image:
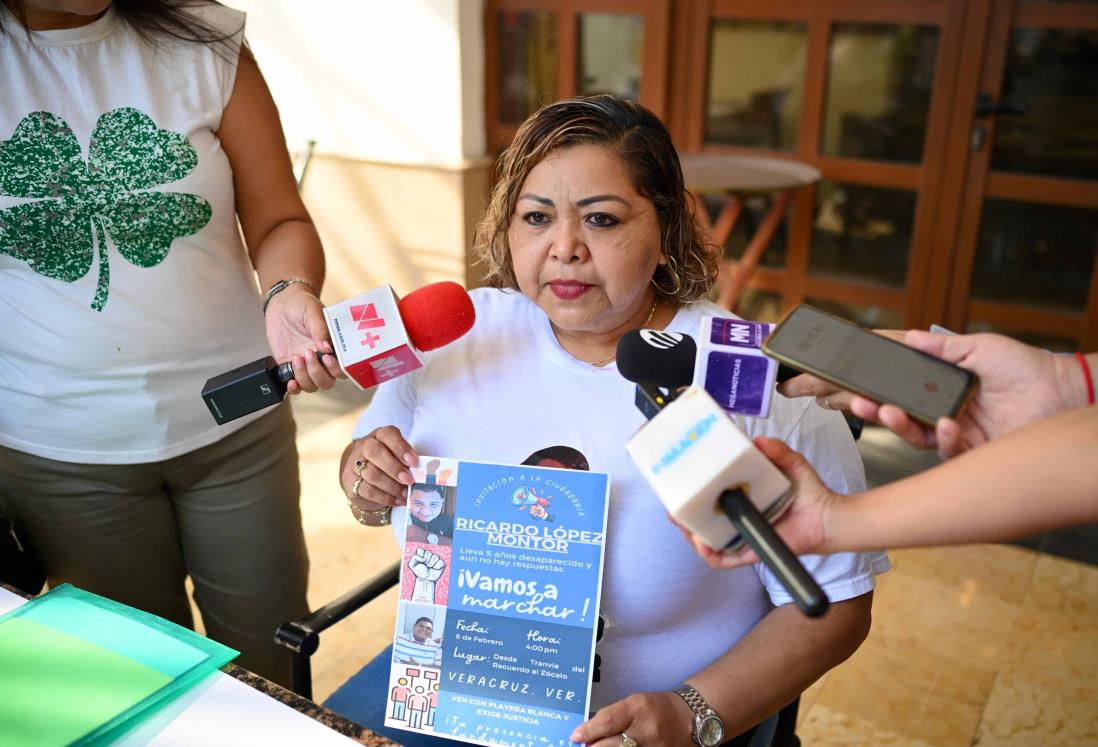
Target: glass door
[859, 90]
[540, 51]
[1024, 253]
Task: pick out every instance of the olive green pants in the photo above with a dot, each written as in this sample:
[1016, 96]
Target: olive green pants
[225, 514]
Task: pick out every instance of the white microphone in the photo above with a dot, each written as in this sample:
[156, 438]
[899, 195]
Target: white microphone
[691, 452]
[707, 473]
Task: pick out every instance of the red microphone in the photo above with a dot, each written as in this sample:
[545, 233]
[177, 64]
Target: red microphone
[375, 338]
[436, 314]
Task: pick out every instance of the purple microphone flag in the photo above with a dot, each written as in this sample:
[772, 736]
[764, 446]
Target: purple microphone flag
[731, 366]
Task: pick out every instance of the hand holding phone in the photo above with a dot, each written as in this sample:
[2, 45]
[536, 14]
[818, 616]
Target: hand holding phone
[874, 366]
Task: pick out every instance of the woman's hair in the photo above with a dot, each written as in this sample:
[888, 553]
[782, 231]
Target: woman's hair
[154, 20]
[644, 145]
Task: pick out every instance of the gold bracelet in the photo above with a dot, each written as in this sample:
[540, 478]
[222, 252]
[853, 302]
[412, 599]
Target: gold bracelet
[384, 516]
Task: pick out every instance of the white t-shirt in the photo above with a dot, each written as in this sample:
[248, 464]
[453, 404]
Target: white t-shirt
[507, 389]
[104, 348]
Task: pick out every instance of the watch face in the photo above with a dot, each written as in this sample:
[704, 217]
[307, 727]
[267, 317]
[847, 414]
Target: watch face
[711, 731]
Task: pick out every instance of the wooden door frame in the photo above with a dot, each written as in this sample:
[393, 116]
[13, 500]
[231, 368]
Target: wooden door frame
[997, 19]
[927, 178]
[654, 84]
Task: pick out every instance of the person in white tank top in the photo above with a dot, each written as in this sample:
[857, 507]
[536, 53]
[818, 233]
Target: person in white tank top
[146, 202]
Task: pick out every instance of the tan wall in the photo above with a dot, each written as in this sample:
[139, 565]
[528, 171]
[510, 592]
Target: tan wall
[402, 225]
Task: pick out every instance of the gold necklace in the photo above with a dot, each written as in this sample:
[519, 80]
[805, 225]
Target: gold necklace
[647, 321]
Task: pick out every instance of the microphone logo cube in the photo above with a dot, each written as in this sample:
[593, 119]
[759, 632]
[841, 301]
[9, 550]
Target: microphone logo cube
[732, 368]
[369, 338]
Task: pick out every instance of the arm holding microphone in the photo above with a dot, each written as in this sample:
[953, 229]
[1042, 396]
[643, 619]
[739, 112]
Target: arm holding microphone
[1019, 384]
[376, 337]
[282, 241]
[1040, 477]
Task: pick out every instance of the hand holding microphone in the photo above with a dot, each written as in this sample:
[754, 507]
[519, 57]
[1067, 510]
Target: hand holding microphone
[706, 472]
[298, 335]
[802, 527]
[375, 338]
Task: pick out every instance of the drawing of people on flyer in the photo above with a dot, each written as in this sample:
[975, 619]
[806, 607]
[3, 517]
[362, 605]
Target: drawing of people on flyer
[399, 697]
[417, 706]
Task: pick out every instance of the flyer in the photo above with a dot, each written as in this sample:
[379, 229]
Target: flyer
[499, 602]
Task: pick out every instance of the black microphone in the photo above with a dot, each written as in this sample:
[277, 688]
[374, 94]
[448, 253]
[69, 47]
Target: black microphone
[247, 388]
[660, 364]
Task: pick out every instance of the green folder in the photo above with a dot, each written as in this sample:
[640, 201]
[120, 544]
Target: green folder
[79, 669]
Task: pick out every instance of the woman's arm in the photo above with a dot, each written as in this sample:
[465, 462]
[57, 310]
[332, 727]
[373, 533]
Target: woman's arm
[281, 238]
[769, 667]
[1041, 477]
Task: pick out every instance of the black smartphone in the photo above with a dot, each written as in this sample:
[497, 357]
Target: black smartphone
[876, 367]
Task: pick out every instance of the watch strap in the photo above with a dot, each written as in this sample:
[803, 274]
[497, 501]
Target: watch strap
[282, 285]
[697, 704]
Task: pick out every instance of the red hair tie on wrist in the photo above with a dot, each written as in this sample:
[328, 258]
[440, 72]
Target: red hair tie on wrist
[1086, 375]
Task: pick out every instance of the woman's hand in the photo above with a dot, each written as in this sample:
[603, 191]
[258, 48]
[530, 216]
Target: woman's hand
[1019, 385]
[651, 719]
[297, 332]
[803, 526]
[376, 469]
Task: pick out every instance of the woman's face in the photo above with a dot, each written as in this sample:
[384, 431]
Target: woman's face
[584, 243]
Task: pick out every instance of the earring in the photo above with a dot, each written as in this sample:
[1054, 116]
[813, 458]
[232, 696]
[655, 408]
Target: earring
[673, 273]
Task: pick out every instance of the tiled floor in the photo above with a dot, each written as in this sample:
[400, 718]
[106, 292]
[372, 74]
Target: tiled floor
[983, 645]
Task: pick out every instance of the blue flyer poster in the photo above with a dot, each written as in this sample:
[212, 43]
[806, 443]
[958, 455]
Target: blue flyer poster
[499, 600]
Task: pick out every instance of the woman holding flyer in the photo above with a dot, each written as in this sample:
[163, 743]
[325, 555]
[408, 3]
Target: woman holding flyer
[588, 235]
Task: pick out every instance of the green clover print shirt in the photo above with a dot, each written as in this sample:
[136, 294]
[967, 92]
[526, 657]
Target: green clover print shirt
[124, 282]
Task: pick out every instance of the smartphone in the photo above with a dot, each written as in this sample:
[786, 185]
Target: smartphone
[868, 364]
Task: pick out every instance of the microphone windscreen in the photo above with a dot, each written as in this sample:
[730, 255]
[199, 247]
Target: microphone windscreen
[436, 314]
[649, 356]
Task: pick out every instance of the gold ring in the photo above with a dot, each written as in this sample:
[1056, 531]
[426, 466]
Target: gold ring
[628, 741]
[359, 466]
[827, 402]
[358, 482]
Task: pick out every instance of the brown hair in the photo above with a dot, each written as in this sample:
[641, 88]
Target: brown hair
[643, 143]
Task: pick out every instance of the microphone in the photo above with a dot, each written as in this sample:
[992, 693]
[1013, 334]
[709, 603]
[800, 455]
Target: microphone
[375, 337]
[726, 360]
[690, 452]
[659, 363]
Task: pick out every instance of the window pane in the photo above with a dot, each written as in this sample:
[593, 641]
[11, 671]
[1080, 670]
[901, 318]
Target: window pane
[756, 78]
[862, 233]
[610, 54]
[1041, 255]
[1054, 74]
[873, 317]
[878, 91]
[527, 63]
[1046, 342]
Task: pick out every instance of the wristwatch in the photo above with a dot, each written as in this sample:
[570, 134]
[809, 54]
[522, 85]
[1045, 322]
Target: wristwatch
[282, 285]
[708, 727]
